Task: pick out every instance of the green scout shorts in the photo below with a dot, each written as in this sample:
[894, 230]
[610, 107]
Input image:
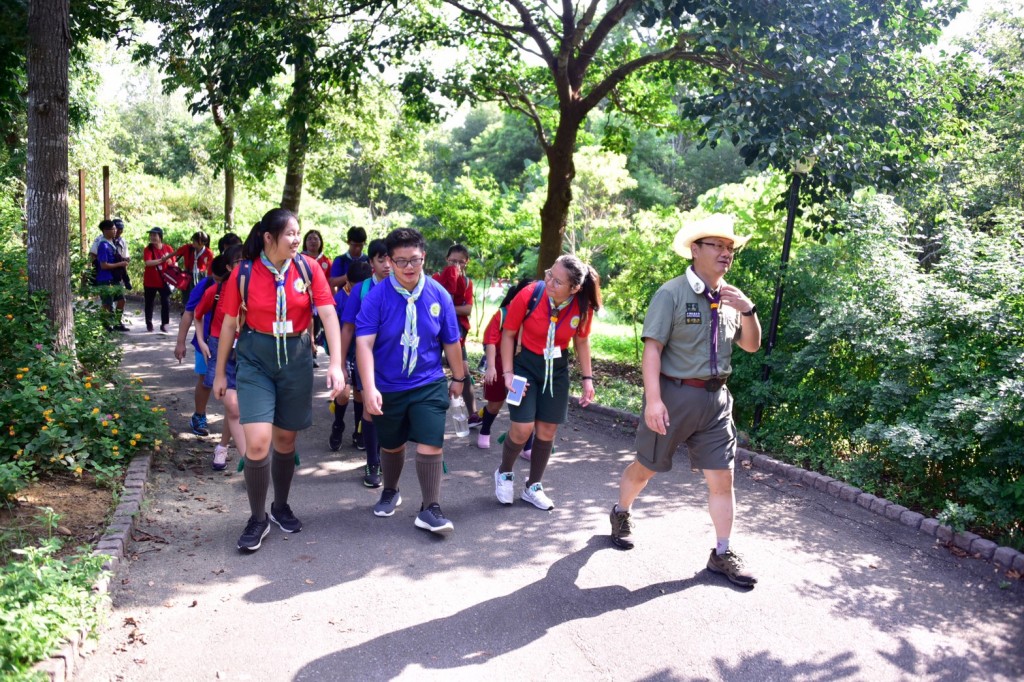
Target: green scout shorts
[551, 406]
[416, 415]
[268, 394]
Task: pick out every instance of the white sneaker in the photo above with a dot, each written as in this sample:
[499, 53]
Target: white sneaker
[526, 454]
[536, 496]
[483, 441]
[220, 458]
[504, 486]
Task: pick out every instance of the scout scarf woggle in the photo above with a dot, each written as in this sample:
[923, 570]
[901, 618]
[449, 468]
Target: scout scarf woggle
[549, 348]
[410, 339]
[281, 308]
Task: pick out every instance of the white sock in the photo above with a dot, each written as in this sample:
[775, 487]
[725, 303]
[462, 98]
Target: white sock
[722, 546]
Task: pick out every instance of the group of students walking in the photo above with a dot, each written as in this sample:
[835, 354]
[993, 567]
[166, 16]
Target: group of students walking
[386, 328]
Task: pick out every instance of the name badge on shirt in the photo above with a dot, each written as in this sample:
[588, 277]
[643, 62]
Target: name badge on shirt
[552, 353]
[692, 313]
[283, 327]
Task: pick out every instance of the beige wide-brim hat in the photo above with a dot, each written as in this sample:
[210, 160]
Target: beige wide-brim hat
[716, 225]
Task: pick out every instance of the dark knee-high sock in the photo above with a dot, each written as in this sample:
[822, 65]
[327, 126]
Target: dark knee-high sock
[539, 459]
[282, 468]
[370, 440]
[357, 414]
[485, 428]
[428, 470]
[509, 451]
[257, 481]
[339, 412]
[391, 464]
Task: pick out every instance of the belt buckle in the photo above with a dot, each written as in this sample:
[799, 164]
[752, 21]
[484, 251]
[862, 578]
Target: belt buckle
[713, 384]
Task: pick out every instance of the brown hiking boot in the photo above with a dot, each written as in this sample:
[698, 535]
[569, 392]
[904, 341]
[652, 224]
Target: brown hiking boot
[731, 566]
[622, 529]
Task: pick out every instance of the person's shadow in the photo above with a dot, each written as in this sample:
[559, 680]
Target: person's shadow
[493, 627]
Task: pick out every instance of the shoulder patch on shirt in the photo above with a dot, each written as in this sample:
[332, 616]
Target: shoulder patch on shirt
[299, 285]
[692, 314]
[435, 309]
[575, 321]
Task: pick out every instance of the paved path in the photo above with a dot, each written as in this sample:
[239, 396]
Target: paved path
[518, 593]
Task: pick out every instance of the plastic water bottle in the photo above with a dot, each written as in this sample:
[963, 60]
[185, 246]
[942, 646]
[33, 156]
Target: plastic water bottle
[460, 418]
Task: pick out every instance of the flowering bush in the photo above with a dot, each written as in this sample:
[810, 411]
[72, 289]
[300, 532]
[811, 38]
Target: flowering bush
[56, 414]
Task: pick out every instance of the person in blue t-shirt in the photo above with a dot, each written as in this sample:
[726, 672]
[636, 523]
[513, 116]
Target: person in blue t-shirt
[108, 264]
[401, 329]
[338, 277]
[362, 278]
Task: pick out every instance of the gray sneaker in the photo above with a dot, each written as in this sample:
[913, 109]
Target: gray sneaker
[731, 566]
[433, 519]
[252, 536]
[622, 529]
[389, 499]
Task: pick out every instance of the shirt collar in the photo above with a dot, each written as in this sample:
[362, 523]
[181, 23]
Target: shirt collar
[696, 283]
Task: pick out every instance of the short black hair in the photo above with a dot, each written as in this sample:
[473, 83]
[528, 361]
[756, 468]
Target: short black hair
[458, 248]
[106, 224]
[356, 234]
[359, 271]
[403, 237]
[378, 247]
[228, 240]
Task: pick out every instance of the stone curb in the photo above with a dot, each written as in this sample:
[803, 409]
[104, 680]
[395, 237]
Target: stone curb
[978, 547]
[60, 667]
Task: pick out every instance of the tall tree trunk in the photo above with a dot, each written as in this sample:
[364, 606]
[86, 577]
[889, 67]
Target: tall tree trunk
[561, 170]
[299, 103]
[227, 138]
[49, 264]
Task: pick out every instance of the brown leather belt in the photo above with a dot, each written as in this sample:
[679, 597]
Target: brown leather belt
[709, 385]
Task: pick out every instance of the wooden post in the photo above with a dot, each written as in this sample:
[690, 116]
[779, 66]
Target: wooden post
[106, 192]
[81, 208]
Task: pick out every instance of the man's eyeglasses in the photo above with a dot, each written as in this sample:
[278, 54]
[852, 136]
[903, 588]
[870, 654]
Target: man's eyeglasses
[403, 263]
[717, 246]
[551, 278]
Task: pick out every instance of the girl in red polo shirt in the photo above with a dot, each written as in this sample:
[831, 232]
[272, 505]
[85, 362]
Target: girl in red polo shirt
[277, 292]
[196, 257]
[572, 294]
[313, 246]
[154, 256]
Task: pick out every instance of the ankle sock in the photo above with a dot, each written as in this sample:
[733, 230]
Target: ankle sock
[722, 546]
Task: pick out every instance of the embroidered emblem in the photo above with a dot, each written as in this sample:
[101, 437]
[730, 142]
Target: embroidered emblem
[435, 309]
[299, 285]
[575, 321]
[692, 314]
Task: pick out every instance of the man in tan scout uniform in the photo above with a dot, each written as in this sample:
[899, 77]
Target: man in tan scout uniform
[690, 327]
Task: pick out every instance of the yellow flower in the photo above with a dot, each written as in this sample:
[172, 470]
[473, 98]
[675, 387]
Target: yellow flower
[156, 409]
[145, 397]
[18, 376]
[104, 423]
[43, 387]
[117, 416]
[157, 442]
[23, 369]
[43, 428]
[137, 436]
[10, 317]
[95, 410]
[112, 431]
[78, 471]
[132, 442]
[88, 385]
[47, 412]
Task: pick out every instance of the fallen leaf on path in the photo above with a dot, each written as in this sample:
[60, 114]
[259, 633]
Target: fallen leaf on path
[183, 488]
[309, 582]
[217, 571]
[195, 602]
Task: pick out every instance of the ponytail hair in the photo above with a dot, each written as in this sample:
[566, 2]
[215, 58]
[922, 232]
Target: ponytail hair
[273, 223]
[586, 278]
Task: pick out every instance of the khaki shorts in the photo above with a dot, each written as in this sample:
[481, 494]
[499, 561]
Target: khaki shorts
[268, 394]
[701, 420]
[416, 415]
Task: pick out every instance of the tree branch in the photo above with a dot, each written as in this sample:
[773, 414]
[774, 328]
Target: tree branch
[521, 103]
[590, 47]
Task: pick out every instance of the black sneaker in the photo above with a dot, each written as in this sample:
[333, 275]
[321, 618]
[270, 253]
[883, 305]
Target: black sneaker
[252, 536]
[731, 566]
[284, 519]
[337, 431]
[372, 477]
[433, 519]
[622, 529]
[149, 326]
[357, 440]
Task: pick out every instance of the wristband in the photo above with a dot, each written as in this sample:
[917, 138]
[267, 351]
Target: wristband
[751, 312]
[459, 380]
[586, 378]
